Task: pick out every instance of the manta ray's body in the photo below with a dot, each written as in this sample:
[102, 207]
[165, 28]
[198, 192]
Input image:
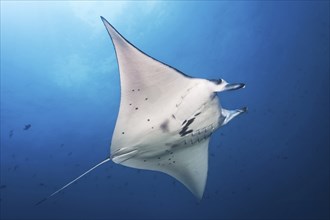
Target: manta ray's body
[166, 118]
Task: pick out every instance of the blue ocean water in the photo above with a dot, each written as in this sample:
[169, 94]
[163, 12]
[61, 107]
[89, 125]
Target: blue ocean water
[59, 75]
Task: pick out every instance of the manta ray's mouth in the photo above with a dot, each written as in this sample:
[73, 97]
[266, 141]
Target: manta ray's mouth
[123, 154]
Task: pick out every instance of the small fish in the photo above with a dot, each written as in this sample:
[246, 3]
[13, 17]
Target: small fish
[27, 127]
[11, 133]
[15, 168]
[3, 186]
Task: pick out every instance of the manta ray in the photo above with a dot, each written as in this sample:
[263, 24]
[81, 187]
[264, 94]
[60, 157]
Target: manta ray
[166, 118]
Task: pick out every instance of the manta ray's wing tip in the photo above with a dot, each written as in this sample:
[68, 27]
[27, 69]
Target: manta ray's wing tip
[103, 19]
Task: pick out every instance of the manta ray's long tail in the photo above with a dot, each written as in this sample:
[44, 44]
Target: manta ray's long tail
[59, 190]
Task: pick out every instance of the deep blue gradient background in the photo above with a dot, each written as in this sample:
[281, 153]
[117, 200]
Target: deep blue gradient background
[59, 74]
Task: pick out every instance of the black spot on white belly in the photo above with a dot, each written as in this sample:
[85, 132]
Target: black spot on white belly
[164, 126]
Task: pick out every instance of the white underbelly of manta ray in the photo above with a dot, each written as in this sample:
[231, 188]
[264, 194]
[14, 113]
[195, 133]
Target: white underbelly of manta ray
[166, 118]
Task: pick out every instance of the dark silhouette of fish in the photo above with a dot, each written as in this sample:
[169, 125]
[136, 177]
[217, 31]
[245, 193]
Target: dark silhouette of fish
[11, 133]
[27, 127]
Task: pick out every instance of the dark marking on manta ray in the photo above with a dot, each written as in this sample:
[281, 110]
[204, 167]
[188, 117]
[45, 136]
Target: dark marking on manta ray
[189, 122]
[136, 108]
[197, 113]
[173, 116]
[146, 99]
[185, 133]
[184, 130]
[164, 126]
[184, 122]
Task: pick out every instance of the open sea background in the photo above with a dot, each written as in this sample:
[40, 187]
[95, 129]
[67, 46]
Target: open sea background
[59, 74]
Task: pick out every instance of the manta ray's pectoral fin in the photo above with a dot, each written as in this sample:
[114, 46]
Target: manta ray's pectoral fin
[221, 85]
[228, 115]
